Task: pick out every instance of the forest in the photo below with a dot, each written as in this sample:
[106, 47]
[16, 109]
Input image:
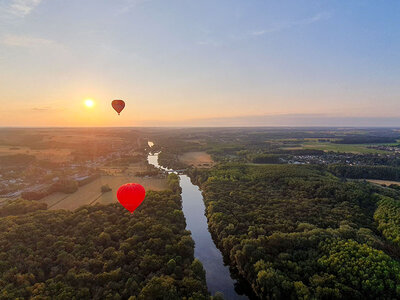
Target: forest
[100, 252]
[365, 172]
[298, 232]
[357, 139]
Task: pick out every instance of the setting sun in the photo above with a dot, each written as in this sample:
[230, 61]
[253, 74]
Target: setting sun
[89, 103]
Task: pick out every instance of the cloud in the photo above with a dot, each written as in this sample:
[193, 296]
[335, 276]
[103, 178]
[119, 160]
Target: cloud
[129, 5]
[46, 109]
[41, 108]
[26, 41]
[20, 8]
[284, 26]
[209, 42]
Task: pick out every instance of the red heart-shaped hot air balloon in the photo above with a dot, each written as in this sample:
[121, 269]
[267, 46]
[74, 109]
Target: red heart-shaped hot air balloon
[131, 195]
[118, 105]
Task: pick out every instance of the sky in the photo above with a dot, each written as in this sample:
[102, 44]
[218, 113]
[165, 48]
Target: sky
[200, 63]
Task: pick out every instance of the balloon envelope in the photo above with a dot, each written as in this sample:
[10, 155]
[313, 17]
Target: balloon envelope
[131, 195]
[118, 105]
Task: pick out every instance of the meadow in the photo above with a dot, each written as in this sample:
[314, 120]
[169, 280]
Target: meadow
[199, 159]
[62, 144]
[90, 194]
[383, 182]
[348, 148]
[53, 155]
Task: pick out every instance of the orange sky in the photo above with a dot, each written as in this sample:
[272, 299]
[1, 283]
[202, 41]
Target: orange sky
[179, 62]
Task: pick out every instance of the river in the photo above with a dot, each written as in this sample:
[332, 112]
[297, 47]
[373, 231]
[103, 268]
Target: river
[217, 273]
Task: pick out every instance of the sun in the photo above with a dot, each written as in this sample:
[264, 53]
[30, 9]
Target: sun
[89, 103]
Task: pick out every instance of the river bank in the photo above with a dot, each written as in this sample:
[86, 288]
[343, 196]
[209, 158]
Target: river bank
[217, 273]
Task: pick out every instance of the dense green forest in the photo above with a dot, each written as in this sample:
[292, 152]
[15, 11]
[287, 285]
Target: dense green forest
[170, 160]
[365, 172]
[100, 252]
[298, 232]
[387, 216]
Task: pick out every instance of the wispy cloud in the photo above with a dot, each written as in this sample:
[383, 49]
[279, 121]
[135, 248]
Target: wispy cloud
[20, 8]
[26, 41]
[46, 109]
[209, 42]
[284, 26]
[129, 5]
[41, 109]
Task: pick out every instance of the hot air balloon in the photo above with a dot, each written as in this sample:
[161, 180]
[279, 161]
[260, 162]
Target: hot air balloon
[131, 195]
[118, 105]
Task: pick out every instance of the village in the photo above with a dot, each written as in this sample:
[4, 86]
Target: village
[36, 179]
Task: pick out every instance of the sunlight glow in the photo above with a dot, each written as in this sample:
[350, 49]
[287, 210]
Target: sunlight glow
[89, 103]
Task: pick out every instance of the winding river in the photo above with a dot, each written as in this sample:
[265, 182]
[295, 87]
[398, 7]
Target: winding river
[217, 273]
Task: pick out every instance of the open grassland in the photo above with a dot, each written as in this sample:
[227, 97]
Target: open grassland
[57, 144]
[381, 182]
[27, 136]
[348, 148]
[52, 145]
[91, 194]
[77, 138]
[55, 155]
[197, 159]
[131, 170]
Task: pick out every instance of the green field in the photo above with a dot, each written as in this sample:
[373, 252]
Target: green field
[349, 148]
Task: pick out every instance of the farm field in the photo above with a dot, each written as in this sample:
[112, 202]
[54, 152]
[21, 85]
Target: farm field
[90, 193]
[197, 159]
[82, 137]
[349, 148]
[130, 170]
[55, 155]
[381, 182]
[56, 145]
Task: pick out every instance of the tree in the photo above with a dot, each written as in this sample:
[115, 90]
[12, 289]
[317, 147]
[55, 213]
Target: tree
[105, 188]
[159, 288]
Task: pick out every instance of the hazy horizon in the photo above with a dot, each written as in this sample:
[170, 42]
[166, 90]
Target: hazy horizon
[279, 121]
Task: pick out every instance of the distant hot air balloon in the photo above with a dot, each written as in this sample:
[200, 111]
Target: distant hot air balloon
[131, 195]
[118, 105]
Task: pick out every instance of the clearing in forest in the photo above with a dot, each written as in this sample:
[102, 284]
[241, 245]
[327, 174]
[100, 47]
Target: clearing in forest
[197, 159]
[386, 182]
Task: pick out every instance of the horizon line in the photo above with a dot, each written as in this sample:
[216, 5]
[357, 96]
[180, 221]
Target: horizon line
[202, 126]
